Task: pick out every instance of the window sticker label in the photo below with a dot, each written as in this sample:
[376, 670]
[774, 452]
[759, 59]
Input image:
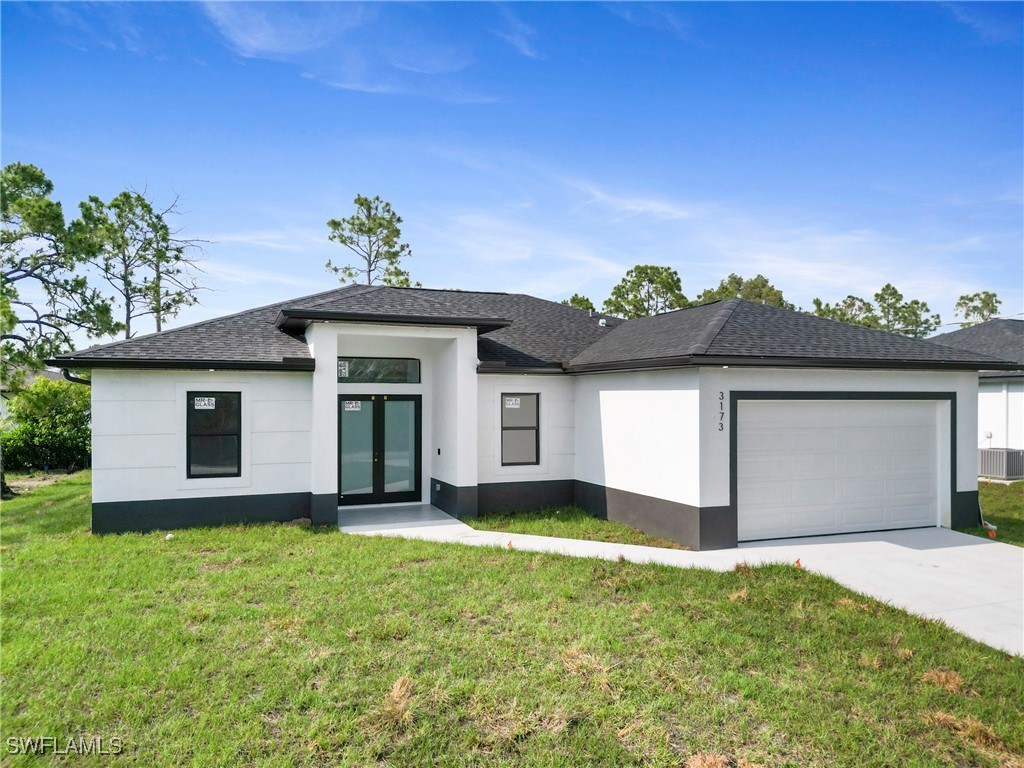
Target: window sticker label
[353, 405]
[343, 370]
[205, 403]
[511, 402]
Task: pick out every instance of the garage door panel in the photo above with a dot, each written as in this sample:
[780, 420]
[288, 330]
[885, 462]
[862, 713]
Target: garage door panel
[920, 463]
[771, 494]
[861, 488]
[859, 439]
[807, 520]
[759, 441]
[915, 487]
[811, 492]
[859, 516]
[921, 513]
[759, 467]
[809, 440]
[808, 465]
[909, 439]
[860, 464]
[816, 467]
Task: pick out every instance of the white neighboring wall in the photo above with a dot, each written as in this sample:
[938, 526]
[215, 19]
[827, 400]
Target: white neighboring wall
[557, 449]
[139, 437]
[1001, 413]
[638, 431]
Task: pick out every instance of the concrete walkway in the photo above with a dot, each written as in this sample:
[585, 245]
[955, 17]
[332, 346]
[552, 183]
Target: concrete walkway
[974, 585]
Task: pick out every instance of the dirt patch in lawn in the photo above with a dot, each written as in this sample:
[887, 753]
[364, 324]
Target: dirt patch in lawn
[25, 483]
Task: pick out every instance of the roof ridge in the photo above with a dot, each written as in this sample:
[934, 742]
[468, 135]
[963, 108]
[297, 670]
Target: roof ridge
[714, 328]
[452, 290]
[436, 302]
[347, 288]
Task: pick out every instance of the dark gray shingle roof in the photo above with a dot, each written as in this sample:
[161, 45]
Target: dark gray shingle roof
[1002, 338]
[519, 331]
[248, 339]
[539, 333]
[741, 330]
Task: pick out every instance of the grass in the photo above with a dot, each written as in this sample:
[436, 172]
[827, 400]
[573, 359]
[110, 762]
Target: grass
[1003, 506]
[567, 523]
[283, 646]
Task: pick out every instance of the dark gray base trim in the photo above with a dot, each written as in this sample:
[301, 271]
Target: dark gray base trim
[162, 514]
[323, 508]
[699, 528]
[530, 494]
[460, 502]
[966, 510]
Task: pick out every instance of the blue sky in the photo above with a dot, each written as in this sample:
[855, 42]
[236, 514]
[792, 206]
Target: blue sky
[546, 148]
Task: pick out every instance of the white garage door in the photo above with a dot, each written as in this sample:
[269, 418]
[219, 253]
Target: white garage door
[811, 467]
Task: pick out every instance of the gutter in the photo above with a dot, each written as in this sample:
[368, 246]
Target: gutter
[696, 361]
[306, 364]
[74, 379]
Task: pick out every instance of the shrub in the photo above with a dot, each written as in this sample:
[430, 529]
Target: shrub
[48, 426]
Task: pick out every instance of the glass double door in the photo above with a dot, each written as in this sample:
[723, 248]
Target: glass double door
[379, 439]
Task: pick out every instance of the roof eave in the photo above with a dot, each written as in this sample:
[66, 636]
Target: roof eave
[297, 320]
[500, 367]
[284, 364]
[688, 361]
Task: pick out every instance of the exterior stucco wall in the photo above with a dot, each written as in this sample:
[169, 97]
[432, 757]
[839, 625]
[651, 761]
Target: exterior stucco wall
[556, 416]
[1001, 413]
[638, 432]
[139, 437]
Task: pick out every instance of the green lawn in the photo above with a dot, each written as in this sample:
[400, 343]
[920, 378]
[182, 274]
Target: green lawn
[567, 523]
[283, 646]
[1003, 506]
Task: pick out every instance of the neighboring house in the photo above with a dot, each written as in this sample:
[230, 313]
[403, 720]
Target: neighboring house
[1000, 394]
[6, 395]
[721, 423]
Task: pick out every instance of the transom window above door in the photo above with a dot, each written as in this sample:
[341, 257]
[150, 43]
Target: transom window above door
[378, 370]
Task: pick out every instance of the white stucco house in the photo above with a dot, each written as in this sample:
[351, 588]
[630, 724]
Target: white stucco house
[721, 423]
[1000, 394]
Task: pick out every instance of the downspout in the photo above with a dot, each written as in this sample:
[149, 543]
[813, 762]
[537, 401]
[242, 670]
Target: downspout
[74, 379]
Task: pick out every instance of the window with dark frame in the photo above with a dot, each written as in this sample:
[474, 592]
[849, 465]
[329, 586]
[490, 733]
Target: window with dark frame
[378, 370]
[520, 429]
[214, 434]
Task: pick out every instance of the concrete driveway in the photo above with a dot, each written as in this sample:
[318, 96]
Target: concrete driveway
[974, 585]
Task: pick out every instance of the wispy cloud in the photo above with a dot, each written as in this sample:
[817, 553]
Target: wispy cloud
[237, 275]
[269, 30]
[518, 34]
[654, 16]
[282, 239]
[488, 250]
[117, 27]
[627, 206]
[995, 23]
[706, 240]
[369, 48]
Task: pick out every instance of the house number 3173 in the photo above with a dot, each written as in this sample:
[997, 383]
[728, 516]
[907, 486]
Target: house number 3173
[721, 411]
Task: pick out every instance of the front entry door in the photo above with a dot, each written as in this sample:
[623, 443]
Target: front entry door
[379, 449]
